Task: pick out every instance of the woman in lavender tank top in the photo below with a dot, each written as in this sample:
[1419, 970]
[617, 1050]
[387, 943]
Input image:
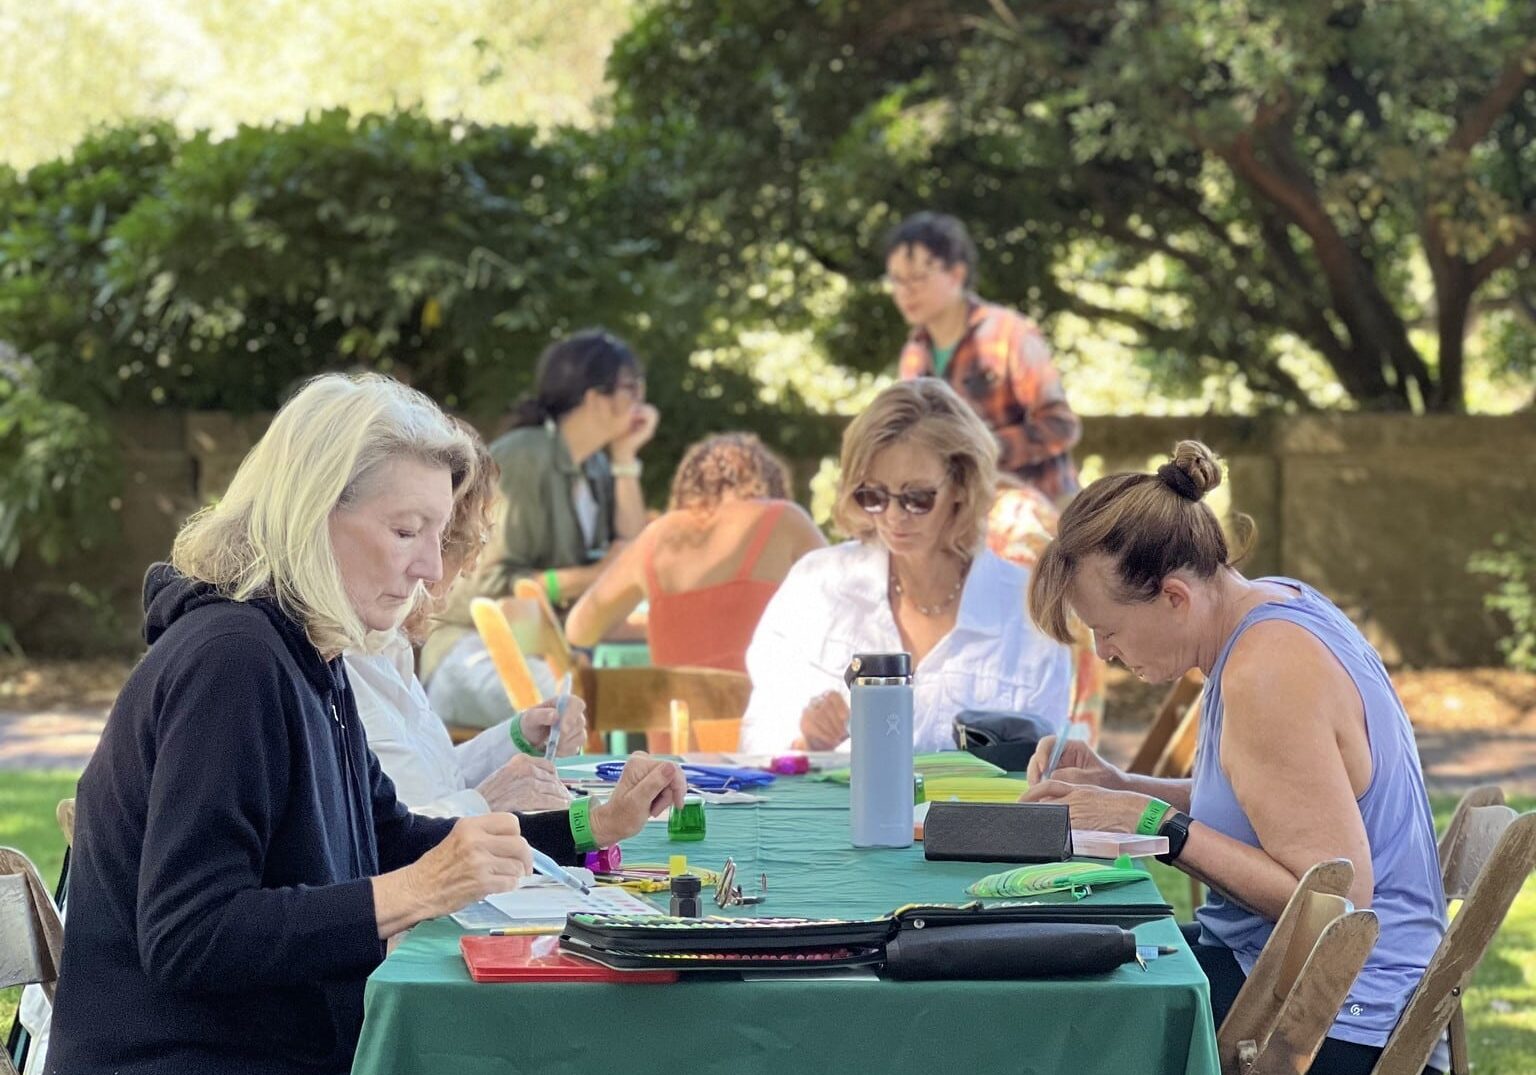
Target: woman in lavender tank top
[1305, 753]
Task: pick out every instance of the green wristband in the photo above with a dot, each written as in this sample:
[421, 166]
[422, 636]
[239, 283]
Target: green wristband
[519, 740]
[1152, 817]
[581, 824]
[552, 587]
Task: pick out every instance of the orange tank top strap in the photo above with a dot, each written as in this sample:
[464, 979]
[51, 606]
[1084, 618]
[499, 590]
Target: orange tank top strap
[760, 538]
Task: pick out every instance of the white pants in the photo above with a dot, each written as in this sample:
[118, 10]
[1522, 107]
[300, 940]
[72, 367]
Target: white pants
[465, 688]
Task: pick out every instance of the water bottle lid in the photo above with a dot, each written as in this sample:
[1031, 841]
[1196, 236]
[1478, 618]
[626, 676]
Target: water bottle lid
[878, 666]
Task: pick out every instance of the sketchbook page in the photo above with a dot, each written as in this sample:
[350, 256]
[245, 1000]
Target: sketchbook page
[552, 902]
[1093, 843]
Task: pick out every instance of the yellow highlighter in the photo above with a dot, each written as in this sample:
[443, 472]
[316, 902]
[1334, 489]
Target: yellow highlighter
[505, 653]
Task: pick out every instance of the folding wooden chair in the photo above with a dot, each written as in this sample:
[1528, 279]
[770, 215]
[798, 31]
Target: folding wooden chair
[31, 935]
[539, 634]
[1301, 978]
[708, 701]
[1168, 749]
[1486, 855]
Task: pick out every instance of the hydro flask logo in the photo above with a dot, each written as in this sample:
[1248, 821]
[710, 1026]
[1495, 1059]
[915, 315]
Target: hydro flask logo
[891, 720]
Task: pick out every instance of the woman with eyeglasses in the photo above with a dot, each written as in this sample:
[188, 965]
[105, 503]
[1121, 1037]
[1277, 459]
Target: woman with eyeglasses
[919, 472]
[992, 355]
[571, 499]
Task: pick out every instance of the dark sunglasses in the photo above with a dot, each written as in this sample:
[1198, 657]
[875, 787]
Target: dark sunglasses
[874, 499]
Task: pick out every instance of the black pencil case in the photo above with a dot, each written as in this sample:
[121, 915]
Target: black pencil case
[998, 832]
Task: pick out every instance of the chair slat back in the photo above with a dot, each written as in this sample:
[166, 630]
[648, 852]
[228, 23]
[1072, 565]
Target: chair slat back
[1317, 912]
[1255, 1014]
[31, 935]
[1482, 795]
[553, 646]
[1170, 714]
[1475, 844]
[1488, 896]
[640, 699]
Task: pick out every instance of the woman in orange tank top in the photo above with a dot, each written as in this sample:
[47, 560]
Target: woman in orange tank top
[710, 564]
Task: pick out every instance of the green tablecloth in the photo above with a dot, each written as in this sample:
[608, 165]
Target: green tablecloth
[424, 1014]
[621, 655]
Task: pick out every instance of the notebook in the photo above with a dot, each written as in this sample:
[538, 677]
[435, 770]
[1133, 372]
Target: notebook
[539, 959]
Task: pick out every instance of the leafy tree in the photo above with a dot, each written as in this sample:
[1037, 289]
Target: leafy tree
[1241, 184]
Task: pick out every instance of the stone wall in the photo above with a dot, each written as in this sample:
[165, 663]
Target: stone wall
[1379, 511]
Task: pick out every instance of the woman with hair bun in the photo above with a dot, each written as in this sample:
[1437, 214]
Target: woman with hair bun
[571, 499]
[1305, 751]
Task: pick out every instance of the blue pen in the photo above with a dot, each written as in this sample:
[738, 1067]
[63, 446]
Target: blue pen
[547, 866]
[561, 701]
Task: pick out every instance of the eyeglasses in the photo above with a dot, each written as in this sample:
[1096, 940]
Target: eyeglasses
[893, 284]
[635, 387]
[875, 499]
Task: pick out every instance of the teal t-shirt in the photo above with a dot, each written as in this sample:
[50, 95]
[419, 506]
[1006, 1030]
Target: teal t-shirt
[941, 357]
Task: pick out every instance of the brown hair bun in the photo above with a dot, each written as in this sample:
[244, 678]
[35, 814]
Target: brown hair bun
[1193, 471]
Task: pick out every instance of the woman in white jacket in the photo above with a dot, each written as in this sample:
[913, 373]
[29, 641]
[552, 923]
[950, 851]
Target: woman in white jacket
[919, 472]
[502, 768]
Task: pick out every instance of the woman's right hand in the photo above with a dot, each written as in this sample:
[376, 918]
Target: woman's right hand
[525, 783]
[481, 855]
[1078, 765]
[824, 723]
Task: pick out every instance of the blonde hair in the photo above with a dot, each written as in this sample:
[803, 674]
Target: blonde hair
[925, 412]
[1150, 525]
[736, 463]
[270, 537]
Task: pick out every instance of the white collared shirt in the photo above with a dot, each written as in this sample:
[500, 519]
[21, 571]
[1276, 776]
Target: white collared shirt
[431, 775]
[835, 603]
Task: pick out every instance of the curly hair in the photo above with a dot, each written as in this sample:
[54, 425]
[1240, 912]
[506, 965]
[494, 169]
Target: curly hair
[469, 528]
[728, 463]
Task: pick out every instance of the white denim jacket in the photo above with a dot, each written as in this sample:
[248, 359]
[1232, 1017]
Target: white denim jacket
[431, 775]
[835, 603]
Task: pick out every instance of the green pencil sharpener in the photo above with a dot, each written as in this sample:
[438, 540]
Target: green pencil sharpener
[686, 822]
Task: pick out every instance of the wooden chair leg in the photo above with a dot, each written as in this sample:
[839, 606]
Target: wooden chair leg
[1461, 1060]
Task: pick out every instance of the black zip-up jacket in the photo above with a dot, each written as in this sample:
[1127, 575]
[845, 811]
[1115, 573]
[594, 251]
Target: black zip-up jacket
[220, 910]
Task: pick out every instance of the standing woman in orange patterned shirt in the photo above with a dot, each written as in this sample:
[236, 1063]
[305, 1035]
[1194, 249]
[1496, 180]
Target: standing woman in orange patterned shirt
[994, 357]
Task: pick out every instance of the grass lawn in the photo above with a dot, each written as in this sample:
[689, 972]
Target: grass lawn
[1501, 1007]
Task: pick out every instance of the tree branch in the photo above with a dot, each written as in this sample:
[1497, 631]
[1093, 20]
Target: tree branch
[1476, 124]
[1505, 254]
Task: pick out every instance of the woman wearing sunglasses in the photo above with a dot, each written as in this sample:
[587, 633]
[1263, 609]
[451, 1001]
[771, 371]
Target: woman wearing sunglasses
[919, 472]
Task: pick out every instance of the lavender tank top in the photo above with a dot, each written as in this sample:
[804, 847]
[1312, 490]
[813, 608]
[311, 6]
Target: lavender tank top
[1408, 897]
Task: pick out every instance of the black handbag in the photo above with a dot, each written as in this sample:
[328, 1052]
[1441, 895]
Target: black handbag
[1004, 739]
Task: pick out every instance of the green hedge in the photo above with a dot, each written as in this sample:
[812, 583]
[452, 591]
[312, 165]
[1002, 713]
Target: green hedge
[152, 270]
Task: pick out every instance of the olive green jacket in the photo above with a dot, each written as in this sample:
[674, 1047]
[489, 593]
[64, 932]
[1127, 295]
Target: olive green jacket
[537, 528]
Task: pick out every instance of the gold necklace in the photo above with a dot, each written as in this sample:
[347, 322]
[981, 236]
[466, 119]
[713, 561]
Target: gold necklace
[926, 610]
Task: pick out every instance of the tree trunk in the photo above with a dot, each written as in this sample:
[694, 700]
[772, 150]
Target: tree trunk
[1453, 297]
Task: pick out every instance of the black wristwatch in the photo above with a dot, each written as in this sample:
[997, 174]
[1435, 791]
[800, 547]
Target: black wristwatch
[1175, 826]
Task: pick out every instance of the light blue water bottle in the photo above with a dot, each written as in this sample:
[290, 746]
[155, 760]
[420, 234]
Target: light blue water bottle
[880, 725]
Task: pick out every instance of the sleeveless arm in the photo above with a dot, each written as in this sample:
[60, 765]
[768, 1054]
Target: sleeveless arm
[615, 594]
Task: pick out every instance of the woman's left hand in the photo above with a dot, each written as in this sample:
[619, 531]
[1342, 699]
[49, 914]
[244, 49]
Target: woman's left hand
[1092, 807]
[573, 726]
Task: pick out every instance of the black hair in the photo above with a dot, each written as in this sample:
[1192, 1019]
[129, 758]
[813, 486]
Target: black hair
[941, 235]
[568, 369]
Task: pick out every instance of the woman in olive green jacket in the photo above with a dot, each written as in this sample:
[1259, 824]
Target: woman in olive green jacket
[570, 484]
